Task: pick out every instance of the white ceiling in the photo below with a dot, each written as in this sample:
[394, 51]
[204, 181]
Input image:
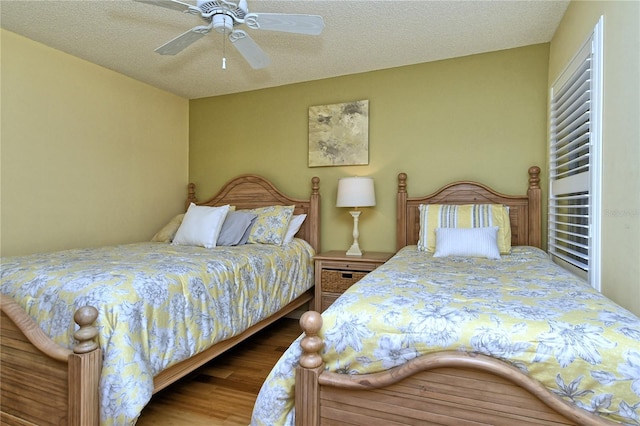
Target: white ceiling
[359, 36]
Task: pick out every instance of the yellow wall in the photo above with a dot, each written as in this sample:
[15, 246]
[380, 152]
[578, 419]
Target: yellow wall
[621, 135]
[89, 156]
[85, 151]
[480, 117]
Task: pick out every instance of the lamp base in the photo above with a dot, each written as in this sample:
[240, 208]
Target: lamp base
[354, 250]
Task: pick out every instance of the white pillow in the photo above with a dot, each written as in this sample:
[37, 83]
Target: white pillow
[294, 227]
[201, 226]
[470, 242]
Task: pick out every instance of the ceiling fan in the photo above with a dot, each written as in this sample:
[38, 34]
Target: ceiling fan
[224, 16]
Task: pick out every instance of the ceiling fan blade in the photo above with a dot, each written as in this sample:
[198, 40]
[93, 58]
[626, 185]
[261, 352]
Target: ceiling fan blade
[248, 48]
[183, 41]
[289, 23]
[172, 4]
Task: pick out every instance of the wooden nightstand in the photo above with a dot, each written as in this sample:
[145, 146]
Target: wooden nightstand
[335, 272]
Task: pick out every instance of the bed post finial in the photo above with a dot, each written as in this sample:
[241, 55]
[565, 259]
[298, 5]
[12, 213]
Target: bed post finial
[85, 317]
[311, 343]
[535, 220]
[534, 177]
[402, 182]
[191, 194]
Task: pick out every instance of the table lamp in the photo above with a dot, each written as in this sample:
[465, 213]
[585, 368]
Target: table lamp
[355, 192]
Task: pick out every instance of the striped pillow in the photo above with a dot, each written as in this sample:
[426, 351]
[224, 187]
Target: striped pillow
[434, 216]
[468, 242]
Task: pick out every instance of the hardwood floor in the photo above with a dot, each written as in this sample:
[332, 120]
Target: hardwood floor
[223, 391]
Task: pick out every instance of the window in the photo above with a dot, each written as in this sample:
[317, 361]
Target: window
[575, 164]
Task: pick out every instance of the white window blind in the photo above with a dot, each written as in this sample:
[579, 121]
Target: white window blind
[574, 163]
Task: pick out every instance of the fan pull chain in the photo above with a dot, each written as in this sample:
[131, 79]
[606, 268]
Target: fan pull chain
[224, 45]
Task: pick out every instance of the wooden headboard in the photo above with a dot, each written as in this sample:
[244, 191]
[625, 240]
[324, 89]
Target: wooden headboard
[251, 191]
[524, 210]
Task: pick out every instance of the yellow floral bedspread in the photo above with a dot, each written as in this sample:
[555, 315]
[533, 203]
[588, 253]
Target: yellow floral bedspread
[158, 303]
[522, 308]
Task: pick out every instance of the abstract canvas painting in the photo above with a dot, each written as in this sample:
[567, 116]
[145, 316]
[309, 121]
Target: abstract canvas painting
[339, 134]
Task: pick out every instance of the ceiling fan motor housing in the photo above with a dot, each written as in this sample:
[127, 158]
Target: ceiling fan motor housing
[209, 8]
[223, 14]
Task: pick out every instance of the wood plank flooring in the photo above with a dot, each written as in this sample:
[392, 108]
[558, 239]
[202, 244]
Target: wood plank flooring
[223, 391]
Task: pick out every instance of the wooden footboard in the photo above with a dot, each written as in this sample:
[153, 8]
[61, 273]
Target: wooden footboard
[42, 383]
[445, 388]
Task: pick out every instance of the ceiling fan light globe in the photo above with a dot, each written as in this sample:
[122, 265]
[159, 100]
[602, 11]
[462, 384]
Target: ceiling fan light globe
[222, 23]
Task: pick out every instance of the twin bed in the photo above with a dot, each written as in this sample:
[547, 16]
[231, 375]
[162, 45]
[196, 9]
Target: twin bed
[147, 314]
[461, 339]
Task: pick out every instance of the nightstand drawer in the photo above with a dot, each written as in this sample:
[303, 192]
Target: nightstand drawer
[350, 266]
[336, 281]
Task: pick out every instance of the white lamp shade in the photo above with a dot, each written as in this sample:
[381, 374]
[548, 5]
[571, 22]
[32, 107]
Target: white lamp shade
[356, 192]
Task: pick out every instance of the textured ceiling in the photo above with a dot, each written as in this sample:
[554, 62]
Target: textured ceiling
[359, 36]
